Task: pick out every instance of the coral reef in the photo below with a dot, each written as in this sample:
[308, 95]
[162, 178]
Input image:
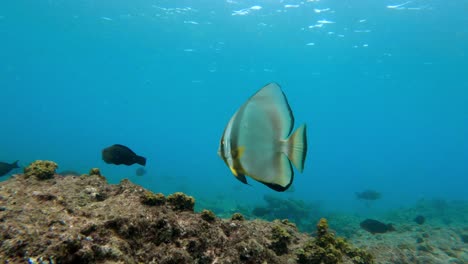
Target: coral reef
[180, 201]
[86, 220]
[238, 217]
[280, 239]
[95, 171]
[327, 249]
[208, 216]
[151, 199]
[42, 169]
[295, 210]
[436, 241]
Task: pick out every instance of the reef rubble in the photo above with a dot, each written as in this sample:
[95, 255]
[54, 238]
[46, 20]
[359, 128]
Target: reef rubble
[83, 219]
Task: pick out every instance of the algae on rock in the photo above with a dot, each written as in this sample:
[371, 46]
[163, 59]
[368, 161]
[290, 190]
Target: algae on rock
[237, 217]
[151, 199]
[327, 249]
[208, 215]
[181, 201]
[42, 169]
[281, 239]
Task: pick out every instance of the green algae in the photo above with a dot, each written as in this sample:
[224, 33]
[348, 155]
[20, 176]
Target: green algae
[152, 199]
[327, 249]
[237, 217]
[289, 223]
[42, 169]
[181, 202]
[95, 171]
[281, 239]
[208, 215]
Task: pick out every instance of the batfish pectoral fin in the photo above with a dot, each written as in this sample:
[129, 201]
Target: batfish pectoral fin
[239, 174]
[297, 147]
[233, 171]
[241, 178]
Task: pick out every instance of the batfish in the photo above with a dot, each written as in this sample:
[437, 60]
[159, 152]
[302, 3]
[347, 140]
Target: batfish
[257, 142]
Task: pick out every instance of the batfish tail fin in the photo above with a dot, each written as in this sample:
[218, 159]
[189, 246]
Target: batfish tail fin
[141, 160]
[297, 147]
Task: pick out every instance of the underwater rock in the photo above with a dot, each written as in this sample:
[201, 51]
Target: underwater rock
[62, 221]
[42, 169]
[237, 217]
[297, 211]
[181, 201]
[95, 171]
[151, 199]
[208, 215]
[327, 249]
[374, 226]
[69, 173]
[419, 219]
[281, 238]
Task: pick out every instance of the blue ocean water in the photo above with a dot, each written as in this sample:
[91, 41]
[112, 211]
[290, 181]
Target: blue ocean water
[382, 86]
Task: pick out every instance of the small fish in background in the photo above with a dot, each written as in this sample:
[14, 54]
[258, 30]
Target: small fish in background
[368, 195]
[419, 219]
[376, 227]
[5, 168]
[257, 142]
[69, 173]
[140, 171]
[119, 154]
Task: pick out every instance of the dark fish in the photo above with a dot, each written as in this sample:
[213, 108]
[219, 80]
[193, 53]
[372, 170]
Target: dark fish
[5, 168]
[369, 195]
[140, 171]
[374, 226]
[119, 154]
[260, 211]
[420, 219]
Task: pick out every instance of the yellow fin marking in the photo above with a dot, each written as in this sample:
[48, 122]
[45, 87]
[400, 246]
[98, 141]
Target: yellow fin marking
[233, 171]
[236, 154]
[240, 151]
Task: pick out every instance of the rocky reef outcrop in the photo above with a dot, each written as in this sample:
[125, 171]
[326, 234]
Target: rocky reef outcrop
[83, 219]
